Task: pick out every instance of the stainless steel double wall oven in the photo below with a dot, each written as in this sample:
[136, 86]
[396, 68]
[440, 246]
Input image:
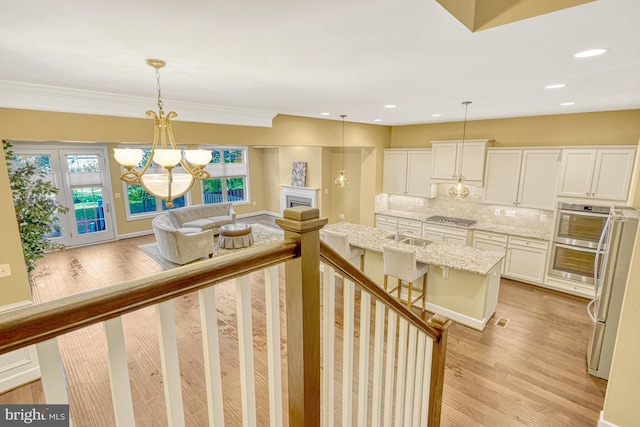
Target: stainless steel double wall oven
[578, 230]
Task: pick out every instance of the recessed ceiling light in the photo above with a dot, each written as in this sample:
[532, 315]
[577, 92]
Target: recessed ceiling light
[436, 115]
[377, 120]
[555, 86]
[565, 104]
[325, 114]
[589, 53]
[390, 106]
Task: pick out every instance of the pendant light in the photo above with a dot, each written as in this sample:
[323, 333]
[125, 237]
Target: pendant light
[459, 190]
[341, 180]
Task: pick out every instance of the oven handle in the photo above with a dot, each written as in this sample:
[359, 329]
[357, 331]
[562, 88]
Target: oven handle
[584, 213]
[577, 248]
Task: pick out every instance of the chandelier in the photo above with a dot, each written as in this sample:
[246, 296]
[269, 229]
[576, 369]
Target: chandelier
[158, 175]
[459, 190]
[341, 180]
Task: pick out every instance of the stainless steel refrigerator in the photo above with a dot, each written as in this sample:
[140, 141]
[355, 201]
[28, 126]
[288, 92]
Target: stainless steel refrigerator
[611, 271]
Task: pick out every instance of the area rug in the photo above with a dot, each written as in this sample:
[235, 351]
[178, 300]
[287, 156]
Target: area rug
[261, 235]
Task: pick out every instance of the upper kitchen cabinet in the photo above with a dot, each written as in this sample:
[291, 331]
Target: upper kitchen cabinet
[447, 156]
[526, 178]
[408, 172]
[603, 173]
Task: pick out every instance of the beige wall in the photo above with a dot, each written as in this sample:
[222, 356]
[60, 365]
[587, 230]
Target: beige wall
[605, 128]
[14, 288]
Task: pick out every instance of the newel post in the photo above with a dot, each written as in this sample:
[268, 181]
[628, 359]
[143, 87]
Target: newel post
[302, 278]
[438, 359]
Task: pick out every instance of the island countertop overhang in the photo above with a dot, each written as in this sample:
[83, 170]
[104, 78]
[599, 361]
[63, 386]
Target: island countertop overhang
[458, 257]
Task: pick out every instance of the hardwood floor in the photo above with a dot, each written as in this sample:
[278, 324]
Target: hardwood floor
[532, 372]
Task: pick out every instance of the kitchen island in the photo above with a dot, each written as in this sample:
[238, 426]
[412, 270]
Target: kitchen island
[463, 282]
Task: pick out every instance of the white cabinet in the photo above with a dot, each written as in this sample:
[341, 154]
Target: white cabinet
[596, 173]
[525, 178]
[491, 242]
[448, 155]
[526, 259]
[408, 172]
[411, 226]
[386, 223]
[441, 233]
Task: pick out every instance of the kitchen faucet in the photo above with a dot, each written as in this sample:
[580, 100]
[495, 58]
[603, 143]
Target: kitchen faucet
[400, 232]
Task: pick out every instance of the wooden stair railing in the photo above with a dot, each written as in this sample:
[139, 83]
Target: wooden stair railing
[409, 407]
[301, 251]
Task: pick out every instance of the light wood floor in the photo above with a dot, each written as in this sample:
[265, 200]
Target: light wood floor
[531, 372]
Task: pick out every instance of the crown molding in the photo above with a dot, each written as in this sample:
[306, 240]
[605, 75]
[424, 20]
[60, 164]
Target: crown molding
[26, 96]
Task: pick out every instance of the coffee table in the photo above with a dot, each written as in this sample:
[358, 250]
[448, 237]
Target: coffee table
[235, 236]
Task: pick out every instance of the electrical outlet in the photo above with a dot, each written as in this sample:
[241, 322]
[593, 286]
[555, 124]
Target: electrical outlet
[340, 216]
[5, 270]
[421, 202]
[510, 213]
[496, 212]
[326, 191]
[543, 218]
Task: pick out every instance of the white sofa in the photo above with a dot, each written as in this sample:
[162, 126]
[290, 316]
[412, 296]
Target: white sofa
[203, 217]
[181, 245]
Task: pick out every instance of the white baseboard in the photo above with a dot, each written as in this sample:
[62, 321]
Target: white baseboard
[136, 234]
[603, 423]
[250, 214]
[21, 366]
[457, 317]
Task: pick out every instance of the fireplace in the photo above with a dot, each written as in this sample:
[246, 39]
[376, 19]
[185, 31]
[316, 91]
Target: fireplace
[298, 196]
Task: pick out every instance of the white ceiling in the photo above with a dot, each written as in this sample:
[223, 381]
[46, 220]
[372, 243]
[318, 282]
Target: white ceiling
[244, 62]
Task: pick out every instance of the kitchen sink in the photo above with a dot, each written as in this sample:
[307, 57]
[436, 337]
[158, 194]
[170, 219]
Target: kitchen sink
[413, 241]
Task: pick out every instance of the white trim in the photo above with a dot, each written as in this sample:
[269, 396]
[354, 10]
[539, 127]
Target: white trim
[460, 318]
[26, 96]
[20, 366]
[306, 192]
[603, 423]
[16, 305]
[250, 214]
[136, 234]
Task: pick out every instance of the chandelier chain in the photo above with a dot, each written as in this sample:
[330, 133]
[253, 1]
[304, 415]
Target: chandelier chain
[464, 133]
[159, 89]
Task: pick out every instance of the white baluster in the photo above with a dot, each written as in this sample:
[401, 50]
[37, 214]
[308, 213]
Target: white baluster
[211, 352]
[272, 302]
[245, 347]
[411, 369]
[391, 358]
[363, 370]
[417, 390]
[347, 352]
[328, 344]
[400, 374]
[378, 352]
[54, 379]
[119, 373]
[170, 365]
[426, 383]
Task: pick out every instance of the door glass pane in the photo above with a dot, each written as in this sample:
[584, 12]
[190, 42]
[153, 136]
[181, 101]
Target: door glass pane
[235, 189]
[87, 205]
[212, 191]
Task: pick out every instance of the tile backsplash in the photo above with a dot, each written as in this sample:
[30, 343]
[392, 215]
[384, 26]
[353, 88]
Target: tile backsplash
[473, 208]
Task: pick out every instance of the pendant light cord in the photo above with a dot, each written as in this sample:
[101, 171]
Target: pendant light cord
[464, 133]
[343, 116]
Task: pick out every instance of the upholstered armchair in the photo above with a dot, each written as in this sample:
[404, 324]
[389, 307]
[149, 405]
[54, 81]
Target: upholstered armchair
[181, 245]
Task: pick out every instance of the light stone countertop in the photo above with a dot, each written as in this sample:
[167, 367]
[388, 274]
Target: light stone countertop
[529, 233]
[463, 258]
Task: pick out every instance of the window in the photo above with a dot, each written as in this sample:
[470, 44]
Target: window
[229, 180]
[139, 202]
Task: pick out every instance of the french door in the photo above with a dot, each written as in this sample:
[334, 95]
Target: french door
[81, 177]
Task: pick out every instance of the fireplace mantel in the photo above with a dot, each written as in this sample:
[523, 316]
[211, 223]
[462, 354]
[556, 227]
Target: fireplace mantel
[298, 192]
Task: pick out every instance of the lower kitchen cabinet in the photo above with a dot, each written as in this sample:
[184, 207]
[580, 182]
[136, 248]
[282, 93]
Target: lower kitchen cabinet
[386, 223]
[526, 259]
[440, 233]
[491, 242]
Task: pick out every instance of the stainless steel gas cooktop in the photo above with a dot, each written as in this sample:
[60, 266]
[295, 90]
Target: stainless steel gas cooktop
[451, 221]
